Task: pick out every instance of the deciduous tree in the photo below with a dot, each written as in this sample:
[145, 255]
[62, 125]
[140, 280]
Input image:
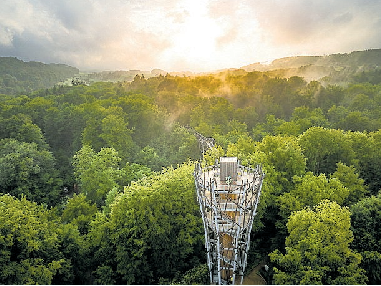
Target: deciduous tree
[97, 173]
[324, 148]
[153, 230]
[29, 243]
[366, 223]
[27, 170]
[317, 248]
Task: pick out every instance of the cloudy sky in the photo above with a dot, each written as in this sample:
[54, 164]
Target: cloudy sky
[183, 35]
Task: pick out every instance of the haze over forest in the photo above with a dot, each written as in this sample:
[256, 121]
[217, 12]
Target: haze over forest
[181, 35]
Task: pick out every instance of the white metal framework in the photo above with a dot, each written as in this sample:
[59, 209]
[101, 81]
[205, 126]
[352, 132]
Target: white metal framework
[228, 194]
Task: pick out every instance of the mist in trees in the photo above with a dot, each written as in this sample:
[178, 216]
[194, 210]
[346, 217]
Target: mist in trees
[96, 181]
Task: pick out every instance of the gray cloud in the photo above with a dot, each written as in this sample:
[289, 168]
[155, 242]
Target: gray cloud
[320, 26]
[88, 34]
[137, 34]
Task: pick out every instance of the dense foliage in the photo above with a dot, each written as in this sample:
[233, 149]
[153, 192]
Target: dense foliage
[97, 182]
[317, 249]
[153, 231]
[31, 240]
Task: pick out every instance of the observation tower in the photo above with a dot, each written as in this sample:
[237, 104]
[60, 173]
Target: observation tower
[228, 194]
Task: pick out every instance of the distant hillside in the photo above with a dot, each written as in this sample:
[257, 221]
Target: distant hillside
[335, 68]
[116, 76]
[17, 76]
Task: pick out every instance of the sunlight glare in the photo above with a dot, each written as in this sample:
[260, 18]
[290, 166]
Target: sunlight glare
[196, 40]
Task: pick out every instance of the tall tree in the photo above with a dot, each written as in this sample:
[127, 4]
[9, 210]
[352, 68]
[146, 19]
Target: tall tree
[324, 148]
[366, 223]
[309, 191]
[317, 248]
[80, 212]
[350, 179]
[153, 230]
[97, 173]
[367, 149]
[21, 128]
[29, 243]
[25, 170]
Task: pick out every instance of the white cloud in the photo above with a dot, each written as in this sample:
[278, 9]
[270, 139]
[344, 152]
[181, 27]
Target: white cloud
[6, 37]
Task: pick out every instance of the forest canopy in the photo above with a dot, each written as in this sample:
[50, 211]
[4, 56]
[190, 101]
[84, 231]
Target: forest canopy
[97, 187]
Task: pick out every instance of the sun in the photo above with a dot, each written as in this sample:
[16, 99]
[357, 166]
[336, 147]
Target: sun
[204, 38]
[195, 40]
[200, 32]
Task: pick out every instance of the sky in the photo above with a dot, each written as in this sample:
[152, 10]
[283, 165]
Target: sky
[183, 35]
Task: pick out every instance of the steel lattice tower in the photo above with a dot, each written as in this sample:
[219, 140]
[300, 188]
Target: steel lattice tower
[228, 194]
